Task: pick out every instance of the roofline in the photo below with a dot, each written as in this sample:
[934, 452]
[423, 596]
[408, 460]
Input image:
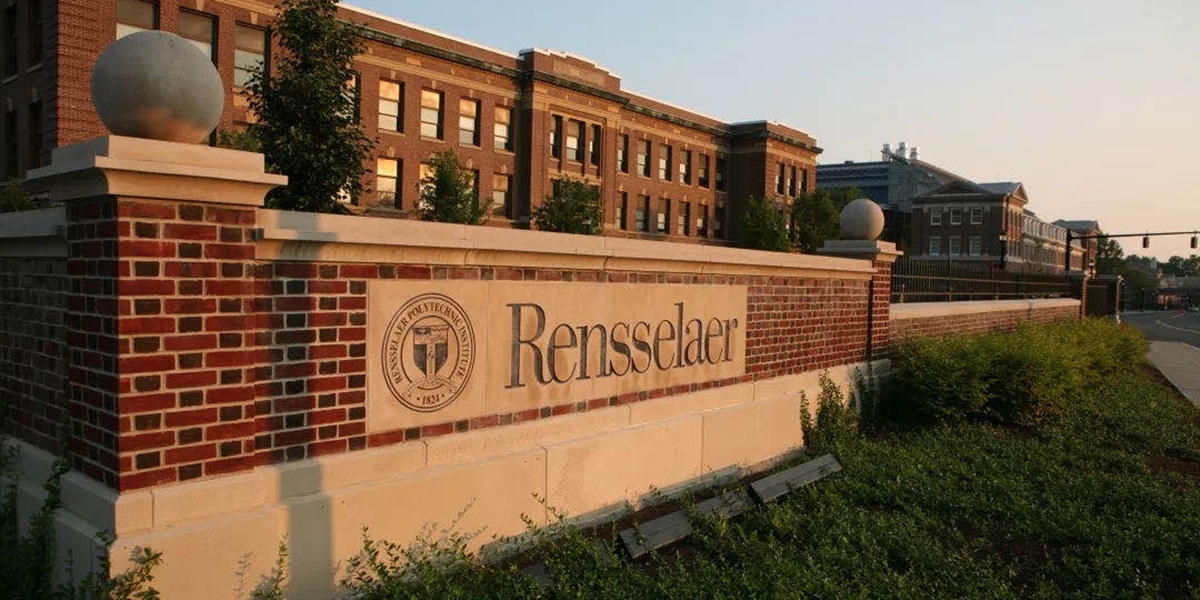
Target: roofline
[382, 17]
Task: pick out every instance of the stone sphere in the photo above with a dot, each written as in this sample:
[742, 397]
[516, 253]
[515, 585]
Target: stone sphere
[157, 85]
[862, 219]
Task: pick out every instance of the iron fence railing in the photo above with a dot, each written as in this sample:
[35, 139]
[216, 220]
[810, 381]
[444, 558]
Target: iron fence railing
[927, 280]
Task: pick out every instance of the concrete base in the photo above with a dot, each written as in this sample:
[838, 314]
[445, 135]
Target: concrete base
[219, 536]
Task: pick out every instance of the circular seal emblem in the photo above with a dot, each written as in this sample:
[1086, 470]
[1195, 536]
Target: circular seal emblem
[428, 352]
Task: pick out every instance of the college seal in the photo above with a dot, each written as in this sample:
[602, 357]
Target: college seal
[428, 352]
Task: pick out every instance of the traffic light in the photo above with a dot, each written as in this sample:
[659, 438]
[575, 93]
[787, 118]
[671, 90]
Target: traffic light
[1145, 241]
[1193, 241]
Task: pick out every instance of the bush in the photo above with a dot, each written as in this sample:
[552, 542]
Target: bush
[762, 226]
[449, 194]
[14, 198]
[575, 207]
[1015, 377]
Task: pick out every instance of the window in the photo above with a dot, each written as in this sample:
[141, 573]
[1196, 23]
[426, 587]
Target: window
[664, 216]
[10, 143]
[702, 171]
[575, 140]
[955, 216]
[35, 134]
[719, 219]
[35, 32]
[977, 216]
[642, 223]
[10, 40]
[391, 98]
[468, 122]
[595, 157]
[684, 226]
[685, 167]
[792, 181]
[199, 29]
[803, 181]
[503, 128]
[935, 246]
[134, 16]
[502, 195]
[353, 93]
[721, 164]
[431, 114]
[976, 245]
[702, 221]
[622, 209]
[387, 171]
[664, 163]
[249, 54]
[955, 245]
[623, 153]
[935, 216]
[556, 136]
[779, 179]
[644, 158]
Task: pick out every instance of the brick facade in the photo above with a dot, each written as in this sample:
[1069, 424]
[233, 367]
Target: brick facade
[942, 325]
[539, 87]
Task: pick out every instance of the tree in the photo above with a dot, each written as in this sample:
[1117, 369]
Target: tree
[1109, 257]
[449, 194]
[763, 226]
[13, 197]
[816, 217]
[574, 207]
[307, 109]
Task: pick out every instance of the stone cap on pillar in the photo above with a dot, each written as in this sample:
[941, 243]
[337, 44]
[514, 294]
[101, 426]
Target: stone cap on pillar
[143, 168]
[873, 250]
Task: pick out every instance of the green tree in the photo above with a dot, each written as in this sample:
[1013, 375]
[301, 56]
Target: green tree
[763, 226]
[13, 197]
[448, 195]
[574, 207]
[1110, 257]
[1182, 267]
[308, 109]
[245, 139]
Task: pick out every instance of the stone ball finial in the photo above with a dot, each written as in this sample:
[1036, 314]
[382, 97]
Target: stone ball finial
[862, 219]
[157, 85]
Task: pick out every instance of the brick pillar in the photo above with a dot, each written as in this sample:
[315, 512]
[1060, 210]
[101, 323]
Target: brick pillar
[164, 315]
[1079, 287]
[881, 255]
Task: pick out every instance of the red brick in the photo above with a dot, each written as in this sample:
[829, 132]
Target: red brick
[191, 454]
[134, 248]
[227, 431]
[230, 216]
[227, 287]
[146, 441]
[144, 479]
[186, 418]
[436, 430]
[229, 251]
[143, 325]
[184, 343]
[189, 231]
[189, 306]
[149, 403]
[233, 358]
[385, 438]
[327, 447]
[326, 384]
[143, 210]
[146, 363]
[230, 395]
[324, 417]
[191, 379]
[327, 351]
[229, 465]
[296, 270]
[295, 303]
[228, 323]
[359, 272]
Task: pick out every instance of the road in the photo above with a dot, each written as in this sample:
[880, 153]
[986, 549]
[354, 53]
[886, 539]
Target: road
[1167, 326]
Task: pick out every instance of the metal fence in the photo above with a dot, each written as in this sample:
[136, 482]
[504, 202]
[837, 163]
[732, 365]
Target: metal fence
[949, 281]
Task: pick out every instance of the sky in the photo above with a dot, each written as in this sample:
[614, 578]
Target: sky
[1094, 105]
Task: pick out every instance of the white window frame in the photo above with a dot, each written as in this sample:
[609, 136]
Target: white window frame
[935, 216]
[976, 245]
[935, 245]
[977, 216]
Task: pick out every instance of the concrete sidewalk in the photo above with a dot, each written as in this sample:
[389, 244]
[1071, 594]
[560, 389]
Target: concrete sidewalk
[1180, 363]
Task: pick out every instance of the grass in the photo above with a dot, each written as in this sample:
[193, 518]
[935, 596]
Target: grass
[1099, 498]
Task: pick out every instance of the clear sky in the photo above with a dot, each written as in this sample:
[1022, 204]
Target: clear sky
[1093, 104]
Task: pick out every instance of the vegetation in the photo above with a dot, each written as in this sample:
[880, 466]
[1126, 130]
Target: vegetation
[575, 207]
[448, 195]
[308, 109]
[816, 217]
[1182, 267]
[244, 139]
[13, 197]
[762, 226]
[27, 561]
[1096, 496]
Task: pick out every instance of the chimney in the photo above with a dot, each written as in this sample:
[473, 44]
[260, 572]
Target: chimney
[902, 150]
[887, 152]
[912, 154]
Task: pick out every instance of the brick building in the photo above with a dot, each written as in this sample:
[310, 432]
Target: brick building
[519, 121]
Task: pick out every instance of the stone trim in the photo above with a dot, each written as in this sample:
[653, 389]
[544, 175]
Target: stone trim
[922, 310]
[295, 236]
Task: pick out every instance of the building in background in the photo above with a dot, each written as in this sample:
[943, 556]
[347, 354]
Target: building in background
[892, 182]
[519, 121]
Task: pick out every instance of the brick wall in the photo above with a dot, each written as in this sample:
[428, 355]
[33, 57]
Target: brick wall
[904, 327]
[33, 352]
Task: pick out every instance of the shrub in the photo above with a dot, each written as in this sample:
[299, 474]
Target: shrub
[575, 207]
[13, 197]
[836, 419]
[762, 226]
[1015, 377]
[449, 194]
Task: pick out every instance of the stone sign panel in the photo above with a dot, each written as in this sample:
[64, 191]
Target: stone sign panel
[450, 350]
